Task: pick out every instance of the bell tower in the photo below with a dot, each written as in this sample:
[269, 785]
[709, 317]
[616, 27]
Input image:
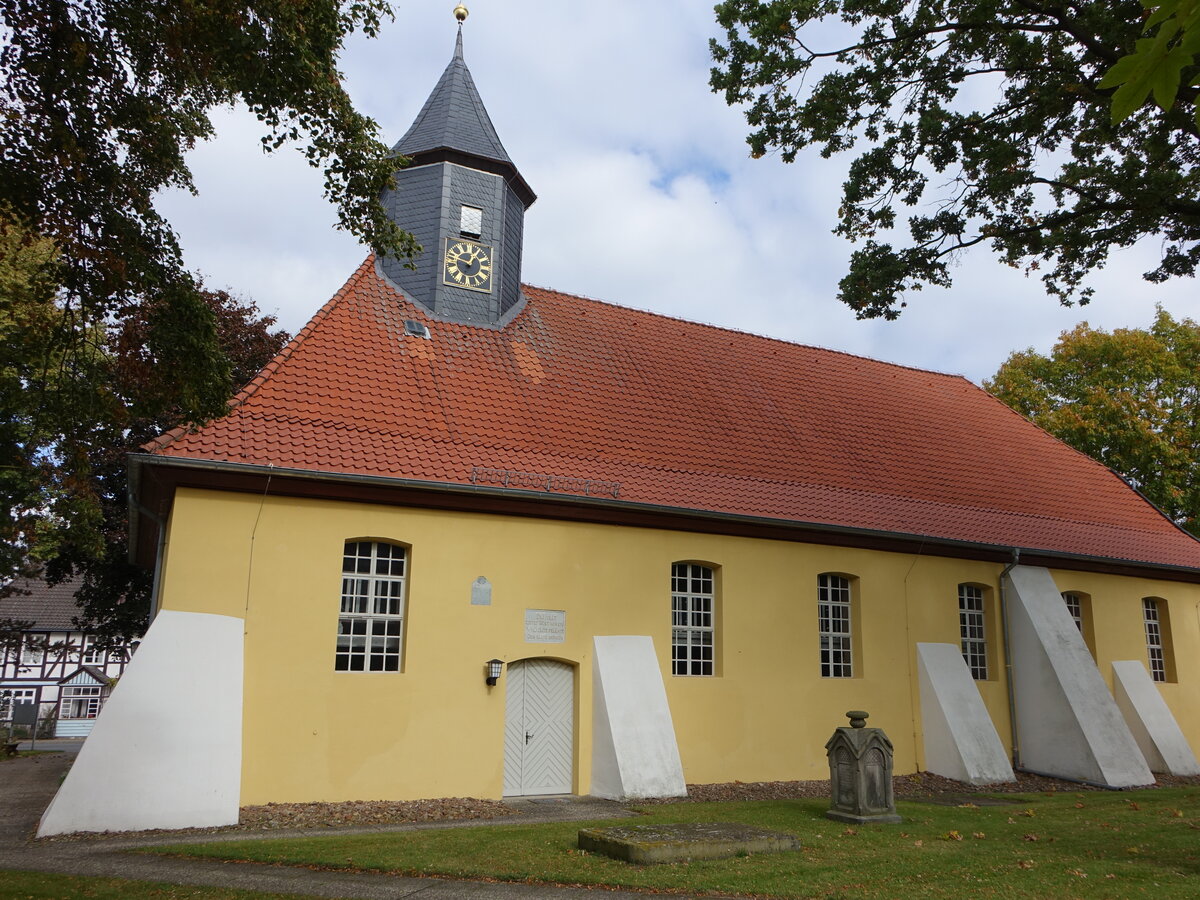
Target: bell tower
[465, 202]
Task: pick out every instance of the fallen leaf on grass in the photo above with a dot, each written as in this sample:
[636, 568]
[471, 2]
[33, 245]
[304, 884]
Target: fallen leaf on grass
[952, 836]
[1025, 864]
[979, 835]
[1032, 837]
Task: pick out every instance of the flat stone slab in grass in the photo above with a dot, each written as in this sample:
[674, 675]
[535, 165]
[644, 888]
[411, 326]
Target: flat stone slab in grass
[962, 800]
[679, 843]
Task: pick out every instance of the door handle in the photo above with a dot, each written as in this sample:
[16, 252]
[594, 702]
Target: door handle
[527, 737]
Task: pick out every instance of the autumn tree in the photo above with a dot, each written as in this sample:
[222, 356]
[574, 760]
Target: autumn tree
[114, 594]
[100, 100]
[973, 122]
[1129, 398]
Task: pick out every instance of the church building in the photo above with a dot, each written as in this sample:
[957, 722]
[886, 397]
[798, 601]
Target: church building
[468, 537]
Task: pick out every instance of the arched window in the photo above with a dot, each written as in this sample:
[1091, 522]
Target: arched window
[1075, 608]
[1079, 605]
[693, 621]
[1158, 639]
[972, 629]
[834, 625]
[371, 624]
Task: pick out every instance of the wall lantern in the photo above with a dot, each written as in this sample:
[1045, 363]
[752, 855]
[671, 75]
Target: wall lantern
[494, 667]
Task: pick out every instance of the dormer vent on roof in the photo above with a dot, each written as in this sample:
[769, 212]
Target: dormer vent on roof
[415, 329]
[464, 200]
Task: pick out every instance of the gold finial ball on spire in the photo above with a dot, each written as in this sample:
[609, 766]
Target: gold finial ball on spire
[460, 13]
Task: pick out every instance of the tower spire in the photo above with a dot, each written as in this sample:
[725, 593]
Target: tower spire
[465, 201]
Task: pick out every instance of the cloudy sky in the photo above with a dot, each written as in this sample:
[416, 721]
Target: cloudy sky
[647, 196]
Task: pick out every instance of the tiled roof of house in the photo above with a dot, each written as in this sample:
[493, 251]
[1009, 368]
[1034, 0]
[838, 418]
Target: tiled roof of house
[49, 607]
[679, 415]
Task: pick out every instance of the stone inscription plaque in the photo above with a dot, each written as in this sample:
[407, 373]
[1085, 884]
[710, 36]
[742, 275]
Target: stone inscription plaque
[545, 626]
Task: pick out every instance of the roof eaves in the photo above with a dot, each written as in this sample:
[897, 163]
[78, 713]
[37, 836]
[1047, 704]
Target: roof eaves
[932, 541]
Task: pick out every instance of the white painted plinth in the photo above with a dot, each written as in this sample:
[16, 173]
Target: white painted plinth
[960, 740]
[1068, 723]
[1149, 718]
[166, 750]
[634, 752]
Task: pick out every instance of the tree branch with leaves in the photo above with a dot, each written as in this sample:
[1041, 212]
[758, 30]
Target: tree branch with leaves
[974, 122]
[100, 101]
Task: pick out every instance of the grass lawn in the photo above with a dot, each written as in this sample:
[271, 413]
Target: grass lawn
[23, 753]
[43, 886]
[1089, 845]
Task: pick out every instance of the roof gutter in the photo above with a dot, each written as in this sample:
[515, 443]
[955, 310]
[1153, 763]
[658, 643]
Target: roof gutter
[448, 487]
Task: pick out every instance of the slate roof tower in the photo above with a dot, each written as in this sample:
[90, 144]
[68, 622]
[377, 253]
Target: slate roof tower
[465, 202]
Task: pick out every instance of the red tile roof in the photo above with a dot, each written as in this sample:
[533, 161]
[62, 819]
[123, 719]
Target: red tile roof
[680, 415]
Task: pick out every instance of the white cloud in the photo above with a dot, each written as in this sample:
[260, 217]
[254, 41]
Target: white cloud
[647, 196]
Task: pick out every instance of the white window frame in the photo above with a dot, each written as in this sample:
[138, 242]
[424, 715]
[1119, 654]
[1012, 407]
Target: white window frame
[32, 652]
[89, 653]
[1074, 604]
[835, 626]
[972, 628]
[82, 698]
[693, 619]
[1156, 654]
[370, 634]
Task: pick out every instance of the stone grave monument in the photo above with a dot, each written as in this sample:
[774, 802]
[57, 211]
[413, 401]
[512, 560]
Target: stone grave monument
[860, 773]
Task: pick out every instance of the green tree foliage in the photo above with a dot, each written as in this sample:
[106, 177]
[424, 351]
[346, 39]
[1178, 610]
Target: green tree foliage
[77, 400]
[99, 102]
[1129, 398]
[47, 375]
[143, 357]
[984, 122]
[1158, 62]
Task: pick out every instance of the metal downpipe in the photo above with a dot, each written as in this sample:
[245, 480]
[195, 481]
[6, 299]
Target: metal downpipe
[1008, 666]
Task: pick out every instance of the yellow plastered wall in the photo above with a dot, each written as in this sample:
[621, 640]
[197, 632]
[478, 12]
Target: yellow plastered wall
[436, 730]
[1117, 623]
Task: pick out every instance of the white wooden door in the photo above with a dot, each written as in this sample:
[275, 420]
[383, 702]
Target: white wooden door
[539, 728]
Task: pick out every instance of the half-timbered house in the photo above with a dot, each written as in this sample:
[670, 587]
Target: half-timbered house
[51, 662]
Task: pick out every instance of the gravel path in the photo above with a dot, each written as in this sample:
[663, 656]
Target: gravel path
[905, 787]
[383, 813]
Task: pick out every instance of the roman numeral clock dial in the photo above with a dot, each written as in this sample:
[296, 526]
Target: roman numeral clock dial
[468, 265]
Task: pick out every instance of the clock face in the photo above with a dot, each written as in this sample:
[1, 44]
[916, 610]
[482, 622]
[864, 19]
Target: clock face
[468, 265]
